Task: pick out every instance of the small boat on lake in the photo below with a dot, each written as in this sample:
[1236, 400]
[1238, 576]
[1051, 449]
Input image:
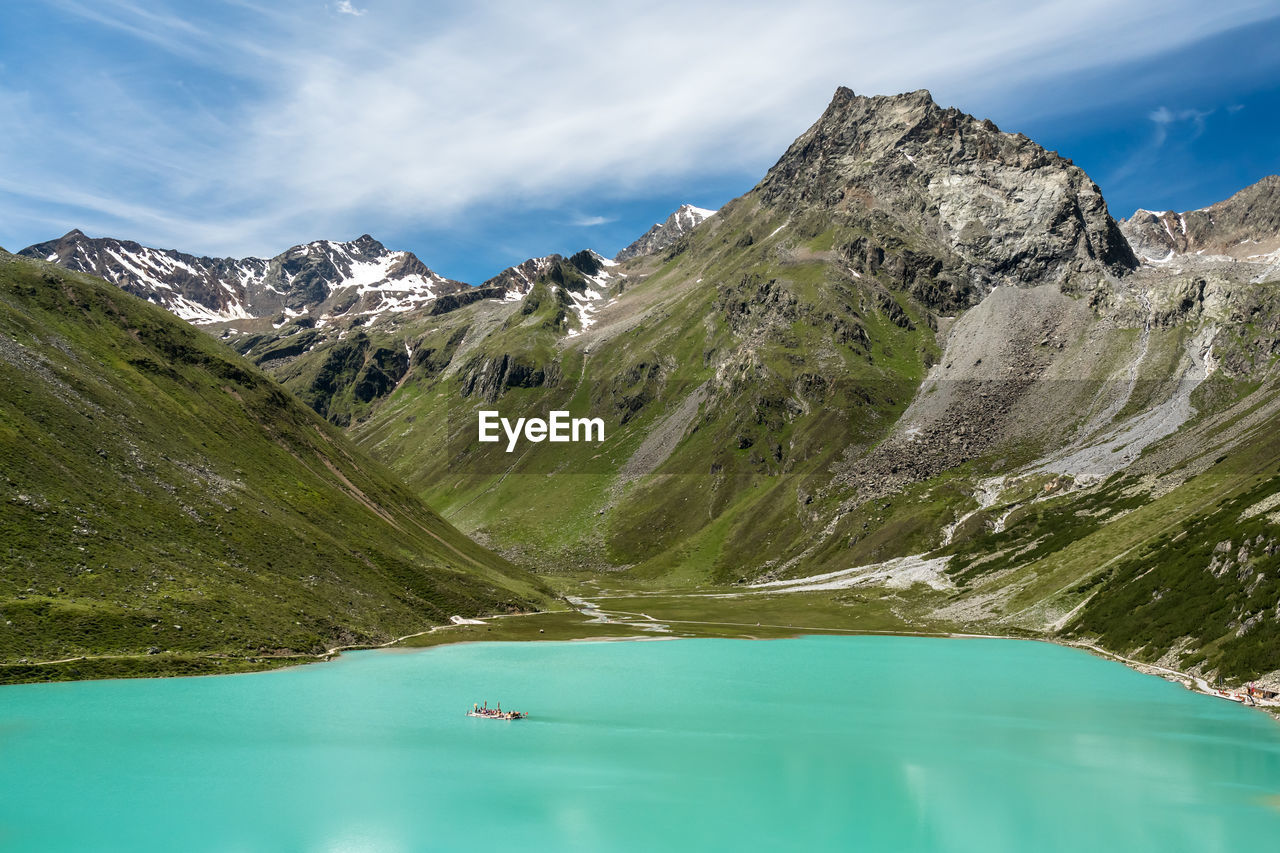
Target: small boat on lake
[495, 713]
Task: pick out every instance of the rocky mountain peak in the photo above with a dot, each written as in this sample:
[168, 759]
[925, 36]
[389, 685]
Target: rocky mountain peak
[63, 247]
[845, 97]
[1245, 227]
[683, 220]
[518, 280]
[986, 206]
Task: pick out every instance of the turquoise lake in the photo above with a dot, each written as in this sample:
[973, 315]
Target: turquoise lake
[820, 743]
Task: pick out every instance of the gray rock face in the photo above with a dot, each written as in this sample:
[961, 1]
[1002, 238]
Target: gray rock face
[949, 196]
[663, 234]
[323, 278]
[1244, 226]
[520, 278]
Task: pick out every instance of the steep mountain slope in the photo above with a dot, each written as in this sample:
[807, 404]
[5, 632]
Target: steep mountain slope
[163, 495]
[1172, 560]
[664, 233]
[316, 280]
[973, 207]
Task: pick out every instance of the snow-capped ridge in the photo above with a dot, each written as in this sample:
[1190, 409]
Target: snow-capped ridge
[324, 277]
[1244, 228]
[516, 281]
[683, 220]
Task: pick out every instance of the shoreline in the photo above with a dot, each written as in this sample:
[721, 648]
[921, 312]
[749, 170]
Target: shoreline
[250, 661]
[1195, 684]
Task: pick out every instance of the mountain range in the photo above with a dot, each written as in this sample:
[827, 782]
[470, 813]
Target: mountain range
[356, 279]
[919, 365]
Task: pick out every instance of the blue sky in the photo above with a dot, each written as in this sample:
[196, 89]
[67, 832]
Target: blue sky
[477, 134]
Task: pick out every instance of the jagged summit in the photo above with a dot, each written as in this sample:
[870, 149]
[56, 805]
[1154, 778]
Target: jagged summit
[516, 280]
[695, 215]
[322, 278]
[975, 206]
[663, 234]
[1245, 226]
[845, 95]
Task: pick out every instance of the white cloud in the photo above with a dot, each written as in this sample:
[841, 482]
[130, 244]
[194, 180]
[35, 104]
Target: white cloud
[311, 127]
[1164, 118]
[345, 8]
[592, 221]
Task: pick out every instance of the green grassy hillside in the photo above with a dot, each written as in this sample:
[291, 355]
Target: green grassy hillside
[1201, 587]
[161, 495]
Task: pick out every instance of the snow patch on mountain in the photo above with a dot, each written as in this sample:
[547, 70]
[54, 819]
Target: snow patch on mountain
[597, 295]
[663, 234]
[517, 281]
[691, 216]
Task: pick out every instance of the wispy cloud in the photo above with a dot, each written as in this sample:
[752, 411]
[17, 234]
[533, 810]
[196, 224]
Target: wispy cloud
[205, 42]
[1182, 125]
[1165, 118]
[592, 221]
[288, 125]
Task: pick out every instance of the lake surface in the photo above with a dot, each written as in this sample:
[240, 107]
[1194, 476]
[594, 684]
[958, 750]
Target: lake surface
[821, 743]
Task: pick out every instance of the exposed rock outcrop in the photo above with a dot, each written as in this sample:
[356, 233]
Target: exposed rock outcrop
[944, 195]
[1245, 227]
[663, 234]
